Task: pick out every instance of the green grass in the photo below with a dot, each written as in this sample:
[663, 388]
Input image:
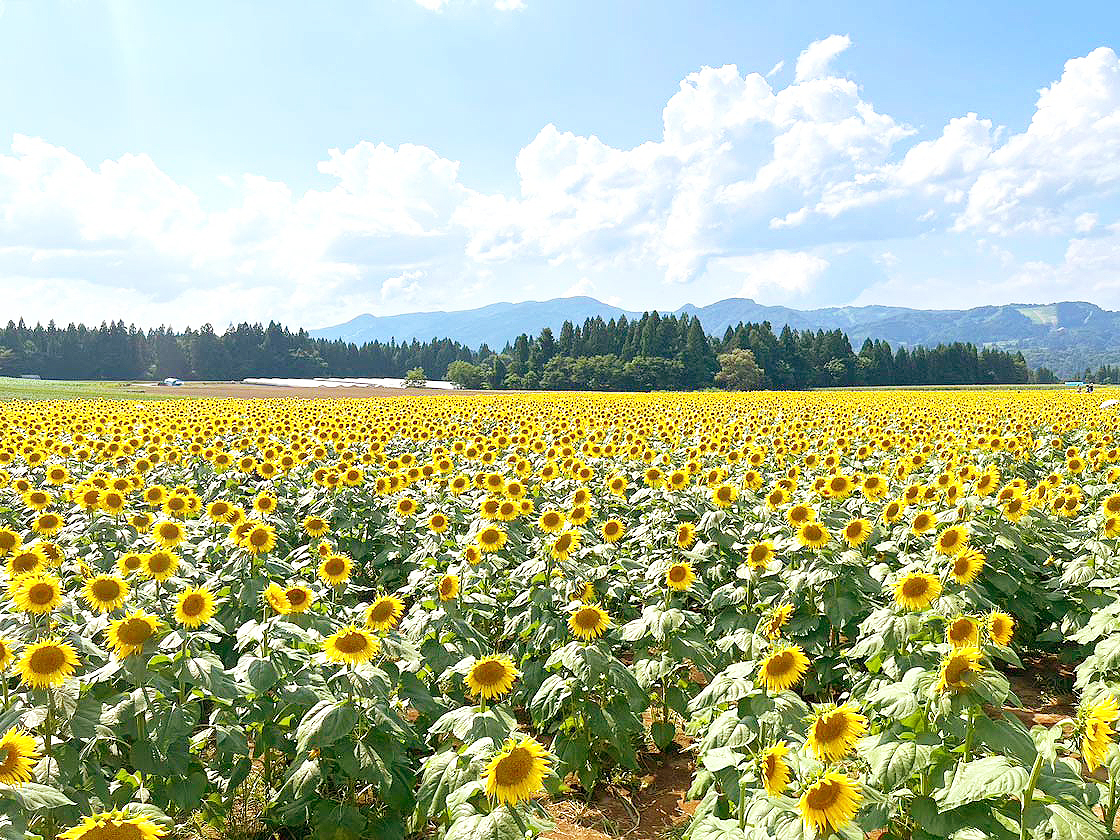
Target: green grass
[12, 388]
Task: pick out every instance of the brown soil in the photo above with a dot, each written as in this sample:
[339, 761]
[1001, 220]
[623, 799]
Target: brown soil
[240, 390]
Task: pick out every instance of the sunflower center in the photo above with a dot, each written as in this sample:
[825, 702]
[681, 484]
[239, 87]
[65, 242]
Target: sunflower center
[960, 630]
[780, 664]
[956, 669]
[678, 574]
[105, 590]
[915, 587]
[41, 594]
[352, 643]
[168, 532]
[950, 538]
[830, 727]
[961, 566]
[489, 673]
[611, 528]
[381, 611]
[297, 597]
[47, 660]
[134, 631]
[25, 562]
[515, 768]
[334, 566]
[258, 537]
[159, 563]
[564, 543]
[823, 795]
[813, 532]
[446, 586]
[587, 618]
[193, 605]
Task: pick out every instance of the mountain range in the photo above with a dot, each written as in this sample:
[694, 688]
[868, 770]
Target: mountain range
[1066, 336]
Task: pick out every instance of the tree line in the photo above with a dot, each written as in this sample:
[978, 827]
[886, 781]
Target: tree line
[653, 352]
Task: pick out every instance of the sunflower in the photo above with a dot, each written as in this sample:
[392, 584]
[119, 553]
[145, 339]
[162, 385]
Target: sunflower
[679, 576]
[959, 669]
[315, 526]
[517, 771]
[161, 565]
[951, 541]
[612, 530]
[966, 566]
[856, 532]
[19, 754]
[834, 731]
[105, 593]
[127, 635]
[1001, 627]
[564, 544]
[1095, 721]
[472, 554]
[406, 506]
[783, 668]
[491, 676]
[25, 561]
[892, 511]
[963, 632]
[194, 607]
[37, 594]
[917, 590]
[9, 541]
[551, 521]
[448, 587]
[686, 534]
[47, 524]
[168, 534]
[114, 825]
[830, 803]
[812, 534]
[260, 538]
[384, 613]
[724, 495]
[437, 522]
[275, 596]
[775, 771]
[923, 521]
[588, 622]
[130, 562]
[777, 620]
[47, 663]
[300, 598]
[335, 569]
[759, 554]
[7, 653]
[491, 538]
[351, 646]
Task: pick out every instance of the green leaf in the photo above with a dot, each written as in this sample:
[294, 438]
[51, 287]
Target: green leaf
[324, 724]
[207, 671]
[662, 734]
[993, 777]
[34, 797]
[716, 829]
[894, 762]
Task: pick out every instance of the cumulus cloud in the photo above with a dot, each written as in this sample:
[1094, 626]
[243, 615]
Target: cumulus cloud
[805, 194]
[815, 59]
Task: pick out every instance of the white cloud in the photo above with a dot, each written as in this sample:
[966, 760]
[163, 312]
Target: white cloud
[802, 194]
[776, 69]
[815, 59]
[500, 5]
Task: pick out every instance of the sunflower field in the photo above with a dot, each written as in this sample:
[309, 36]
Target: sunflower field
[432, 617]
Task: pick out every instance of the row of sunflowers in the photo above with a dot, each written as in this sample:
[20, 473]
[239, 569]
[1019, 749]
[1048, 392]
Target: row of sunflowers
[427, 617]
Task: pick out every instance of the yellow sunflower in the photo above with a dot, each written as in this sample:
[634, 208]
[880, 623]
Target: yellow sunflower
[351, 646]
[777, 620]
[335, 569]
[686, 534]
[127, 635]
[612, 530]
[951, 541]
[517, 771]
[959, 669]
[7, 653]
[812, 534]
[491, 676]
[775, 771]
[19, 754]
[37, 593]
[105, 593]
[856, 532]
[564, 544]
[759, 554]
[384, 613]
[448, 587]
[679, 576]
[917, 590]
[194, 607]
[967, 564]
[161, 565]
[783, 668]
[275, 596]
[834, 731]
[1001, 627]
[168, 534]
[551, 521]
[491, 538]
[315, 526]
[588, 622]
[963, 632]
[47, 663]
[1095, 721]
[830, 803]
[300, 598]
[114, 825]
[260, 538]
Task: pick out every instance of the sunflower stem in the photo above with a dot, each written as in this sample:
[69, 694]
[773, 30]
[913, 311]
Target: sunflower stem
[1110, 814]
[1028, 795]
[970, 733]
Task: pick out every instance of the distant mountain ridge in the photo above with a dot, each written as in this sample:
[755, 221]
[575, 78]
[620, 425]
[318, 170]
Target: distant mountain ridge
[1066, 336]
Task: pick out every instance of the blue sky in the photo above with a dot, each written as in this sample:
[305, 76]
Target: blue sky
[172, 163]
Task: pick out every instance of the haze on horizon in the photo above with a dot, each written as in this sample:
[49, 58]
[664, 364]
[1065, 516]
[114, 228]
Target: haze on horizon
[218, 163]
